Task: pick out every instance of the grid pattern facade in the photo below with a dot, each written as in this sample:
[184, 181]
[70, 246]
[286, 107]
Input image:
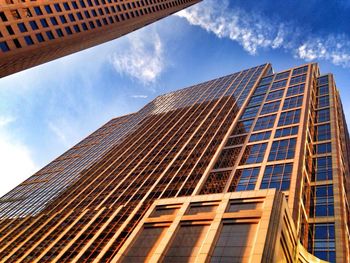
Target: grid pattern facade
[34, 32]
[250, 130]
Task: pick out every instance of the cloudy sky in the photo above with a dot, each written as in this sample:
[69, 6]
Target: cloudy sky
[47, 109]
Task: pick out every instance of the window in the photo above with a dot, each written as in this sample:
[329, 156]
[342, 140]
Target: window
[300, 70]
[237, 140]
[286, 131]
[322, 115]
[37, 10]
[22, 27]
[322, 203]
[261, 89]
[28, 40]
[279, 84]
[50, 35]
[270, 107]
[256, 100]
[260, 136]
[322, 241]
[48, 9]
[243, 127]
[40, 37]
[59, 32]
[71, 17]
[245, 179]
[265, 122]
[216, 182]
[250, 112]
[66, 6]
[295, 90]
[293, 102]
[4, 47]
[297, 80]
[3, 17]
[33, 25]
[323, 102]
[323, 90]
[289, 117]
[266, 80]
[44, 22]
[323, 148]
[322, 168]
[323, 132]
[254, 153]
[53, 21]
[282, 150]
[277, 176]
[275, 95]
[323, 80]
[57, 7]
[282, 75]
[227, 158]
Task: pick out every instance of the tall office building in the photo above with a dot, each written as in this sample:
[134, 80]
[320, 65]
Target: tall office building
[35, 32]
[250, 167]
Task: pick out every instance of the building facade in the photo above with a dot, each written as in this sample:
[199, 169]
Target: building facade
[35, 32]
[247, 167]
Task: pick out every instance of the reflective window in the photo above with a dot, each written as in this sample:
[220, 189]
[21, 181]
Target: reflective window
[322, 241]
[277, 176]
[295, 90]
[250, 112]
[323, 102]
[300, 70]
[283, 149]
[323, 132]
[286, 131]
[275, 95]
[322, 203]
[265, 122]
[279, 84]
[323, 90]
[245, 179]
[270, 107]
[282, 75]
[322, 115]
[260, 136]
[227, 158]
[289, 117]
[297, 80]
[293, 102]
[254, 153]
[322, 168]
[323, 148]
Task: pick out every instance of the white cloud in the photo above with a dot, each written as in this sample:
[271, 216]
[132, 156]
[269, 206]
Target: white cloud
[335, 49]
[254, 31]
[142, 58]
[250, 31]
[16, 163]
[139, 96]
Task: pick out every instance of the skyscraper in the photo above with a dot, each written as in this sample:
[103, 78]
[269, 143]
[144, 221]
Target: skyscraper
[35, 32]
[252, 166]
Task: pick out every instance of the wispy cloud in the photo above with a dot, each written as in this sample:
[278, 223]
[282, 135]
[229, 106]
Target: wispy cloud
[254, 31]
[142, 58]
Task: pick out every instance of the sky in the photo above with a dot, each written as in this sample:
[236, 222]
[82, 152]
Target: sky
[47, 109]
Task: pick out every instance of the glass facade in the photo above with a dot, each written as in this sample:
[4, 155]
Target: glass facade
[239, 133]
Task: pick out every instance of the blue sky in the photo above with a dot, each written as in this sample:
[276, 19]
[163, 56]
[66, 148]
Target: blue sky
[47, 109]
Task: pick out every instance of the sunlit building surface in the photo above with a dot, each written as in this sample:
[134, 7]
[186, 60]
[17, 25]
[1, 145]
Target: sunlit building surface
[249, 167]
[35, 32]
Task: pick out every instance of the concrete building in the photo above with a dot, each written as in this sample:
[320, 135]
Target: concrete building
[35, 32]
[249, 167]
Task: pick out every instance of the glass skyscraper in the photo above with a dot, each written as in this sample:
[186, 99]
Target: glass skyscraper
[249, 167]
